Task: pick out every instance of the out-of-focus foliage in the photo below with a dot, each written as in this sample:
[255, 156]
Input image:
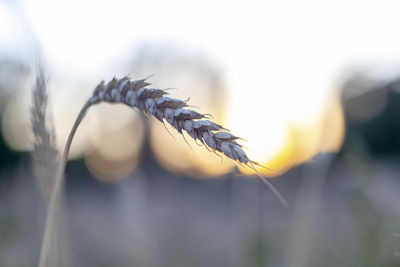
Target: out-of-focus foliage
[13, 75]
[373, 115]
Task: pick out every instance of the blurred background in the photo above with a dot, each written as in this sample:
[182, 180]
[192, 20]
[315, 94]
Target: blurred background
[313, 87]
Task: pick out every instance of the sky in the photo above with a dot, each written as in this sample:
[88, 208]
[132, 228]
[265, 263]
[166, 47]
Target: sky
[282, 62]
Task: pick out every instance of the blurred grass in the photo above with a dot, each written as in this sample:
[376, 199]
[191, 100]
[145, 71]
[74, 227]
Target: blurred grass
[158, 218]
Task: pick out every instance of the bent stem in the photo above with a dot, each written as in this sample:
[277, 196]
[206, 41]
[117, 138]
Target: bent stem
[150, 101]
[52, 208]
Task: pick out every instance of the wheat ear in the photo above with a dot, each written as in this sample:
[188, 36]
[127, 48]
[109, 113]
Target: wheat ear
[154, 102]
[45, 153]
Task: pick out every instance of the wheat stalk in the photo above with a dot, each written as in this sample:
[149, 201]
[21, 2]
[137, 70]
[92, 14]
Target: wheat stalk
[45, 161]
[154, 102]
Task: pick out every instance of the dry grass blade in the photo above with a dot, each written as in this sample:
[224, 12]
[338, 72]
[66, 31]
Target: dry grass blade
[278, 195]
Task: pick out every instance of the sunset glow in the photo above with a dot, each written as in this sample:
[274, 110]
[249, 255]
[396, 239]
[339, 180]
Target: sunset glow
[281, 75]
